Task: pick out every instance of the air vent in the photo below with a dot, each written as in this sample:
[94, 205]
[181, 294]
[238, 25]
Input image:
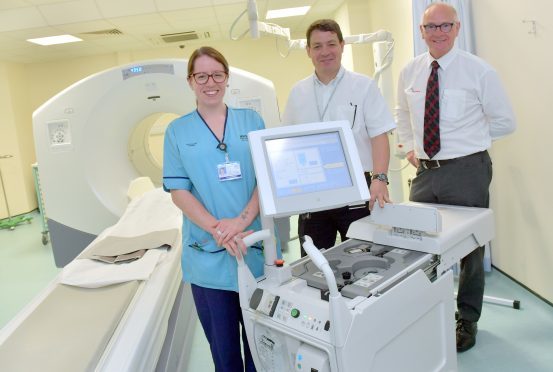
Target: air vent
[184, 36]
[112, 31]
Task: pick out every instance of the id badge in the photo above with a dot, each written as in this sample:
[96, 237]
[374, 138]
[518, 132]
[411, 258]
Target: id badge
[229, 171]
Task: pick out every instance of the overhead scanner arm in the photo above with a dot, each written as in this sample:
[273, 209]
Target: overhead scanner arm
[380, 35]
[257, 27]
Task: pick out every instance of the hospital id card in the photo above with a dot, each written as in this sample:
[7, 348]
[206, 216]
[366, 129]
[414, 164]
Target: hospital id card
[229, 171]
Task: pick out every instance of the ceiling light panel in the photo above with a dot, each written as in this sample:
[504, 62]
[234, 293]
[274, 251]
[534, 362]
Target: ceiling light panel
[287, 12]
[54, 40]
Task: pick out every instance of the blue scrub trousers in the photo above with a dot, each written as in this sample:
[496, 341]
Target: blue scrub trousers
[221, 318]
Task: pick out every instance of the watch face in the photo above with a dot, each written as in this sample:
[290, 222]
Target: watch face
[381, 177]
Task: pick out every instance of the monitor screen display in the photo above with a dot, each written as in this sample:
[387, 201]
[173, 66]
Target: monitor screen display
[307, 163]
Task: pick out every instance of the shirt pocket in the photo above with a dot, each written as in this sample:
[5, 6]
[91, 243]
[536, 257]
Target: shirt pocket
[453, 104]
[415, 101]
[343, 112]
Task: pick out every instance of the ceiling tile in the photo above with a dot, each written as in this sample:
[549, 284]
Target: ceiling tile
[189, 14]
[44, 2]
[120, 8]
[12, 4]
[20, 18]
[194, 25]
[30, 33]
[229, 13]
[244, 2]
[115, 43]
[137, 20]
[168, 5]
[148, 29]
[70, 12]
[81, 27]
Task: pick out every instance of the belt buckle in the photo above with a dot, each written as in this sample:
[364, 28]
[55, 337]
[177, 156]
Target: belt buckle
[431, 164]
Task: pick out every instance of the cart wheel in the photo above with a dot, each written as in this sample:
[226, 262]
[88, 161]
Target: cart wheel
[44, 239]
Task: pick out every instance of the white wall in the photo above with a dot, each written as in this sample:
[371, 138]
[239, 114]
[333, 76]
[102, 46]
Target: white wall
[521, 196]
[395, 16]
[15, 140]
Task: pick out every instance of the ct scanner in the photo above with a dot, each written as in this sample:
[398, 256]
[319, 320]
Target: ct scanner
[90, 144]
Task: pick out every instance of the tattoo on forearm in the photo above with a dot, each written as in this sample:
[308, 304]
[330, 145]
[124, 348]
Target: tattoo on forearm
[244, 215]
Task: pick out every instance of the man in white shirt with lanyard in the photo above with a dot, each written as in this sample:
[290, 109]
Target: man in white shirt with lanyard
[334, 93]
[450, 108]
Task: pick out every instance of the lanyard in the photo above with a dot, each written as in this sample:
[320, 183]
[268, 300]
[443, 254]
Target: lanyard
[221, 145]
[321, 116]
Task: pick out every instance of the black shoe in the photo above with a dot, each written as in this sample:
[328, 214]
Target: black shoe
[466, 335]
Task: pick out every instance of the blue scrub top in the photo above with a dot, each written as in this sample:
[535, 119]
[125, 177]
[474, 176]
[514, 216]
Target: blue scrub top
[190, 163]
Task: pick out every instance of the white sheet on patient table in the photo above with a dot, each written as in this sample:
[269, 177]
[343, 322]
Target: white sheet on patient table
[149, 222]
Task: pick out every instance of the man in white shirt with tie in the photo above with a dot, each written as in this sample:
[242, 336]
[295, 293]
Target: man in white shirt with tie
[473, 111]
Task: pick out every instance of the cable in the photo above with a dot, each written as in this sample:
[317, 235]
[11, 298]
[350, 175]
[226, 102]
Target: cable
[278, 49]
[234, 24]
[399, 169]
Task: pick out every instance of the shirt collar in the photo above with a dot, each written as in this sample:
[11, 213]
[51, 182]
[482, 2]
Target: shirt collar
[332, 82]
[445, 60]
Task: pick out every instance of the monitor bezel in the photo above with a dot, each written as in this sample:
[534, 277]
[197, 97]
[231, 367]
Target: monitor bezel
[274, 206]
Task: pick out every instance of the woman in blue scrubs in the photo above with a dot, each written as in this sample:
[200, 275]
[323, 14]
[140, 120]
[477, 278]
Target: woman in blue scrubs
[208, 170]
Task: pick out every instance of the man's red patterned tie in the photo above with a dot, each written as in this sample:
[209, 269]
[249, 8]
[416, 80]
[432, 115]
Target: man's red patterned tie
[432, 113]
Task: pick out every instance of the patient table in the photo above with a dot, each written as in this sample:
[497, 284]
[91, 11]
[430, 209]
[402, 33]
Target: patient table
[103, 321]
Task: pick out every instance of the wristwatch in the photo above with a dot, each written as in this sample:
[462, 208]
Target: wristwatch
[381, 177]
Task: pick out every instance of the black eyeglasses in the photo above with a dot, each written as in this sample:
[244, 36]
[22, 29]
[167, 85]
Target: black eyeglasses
[202, 77]
[444, 27]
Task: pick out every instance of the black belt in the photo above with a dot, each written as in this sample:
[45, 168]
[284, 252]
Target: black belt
[433, 164]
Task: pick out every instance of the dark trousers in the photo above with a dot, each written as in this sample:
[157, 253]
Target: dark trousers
[221, 318]
[323, 226]
[464, 181]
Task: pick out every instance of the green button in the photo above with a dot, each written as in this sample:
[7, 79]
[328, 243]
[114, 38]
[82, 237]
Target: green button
[295, 313]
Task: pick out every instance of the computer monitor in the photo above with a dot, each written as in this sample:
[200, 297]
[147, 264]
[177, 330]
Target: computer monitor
[307, 167]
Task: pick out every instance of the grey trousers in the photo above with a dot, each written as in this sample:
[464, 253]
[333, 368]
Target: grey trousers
[464, 181]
